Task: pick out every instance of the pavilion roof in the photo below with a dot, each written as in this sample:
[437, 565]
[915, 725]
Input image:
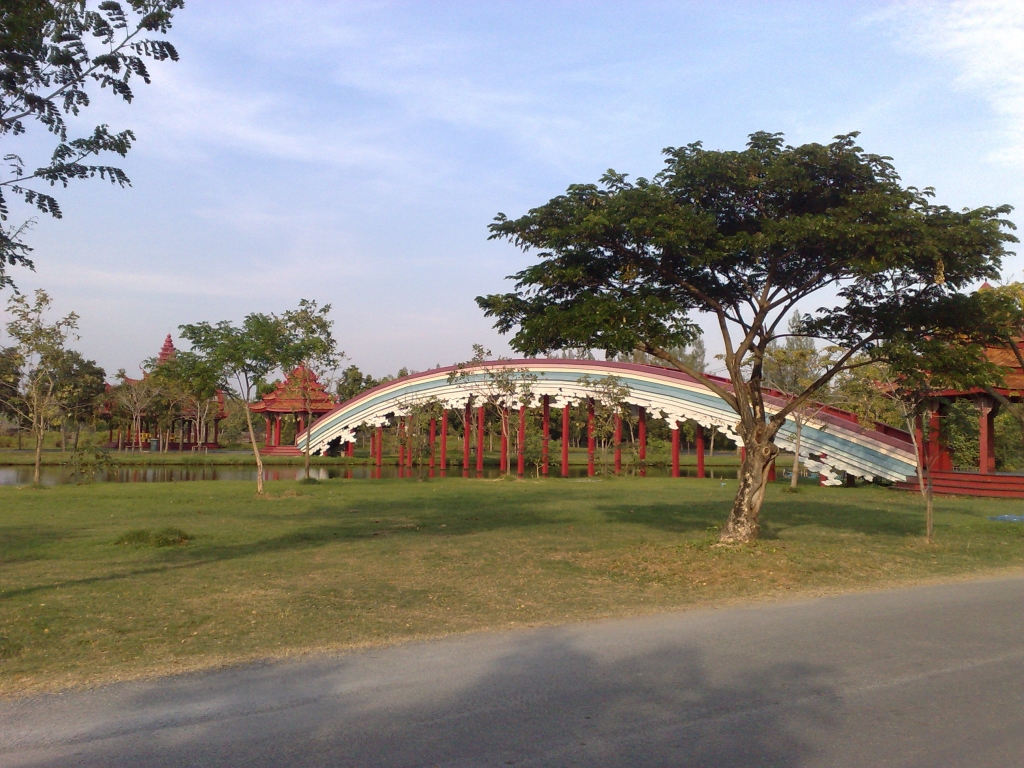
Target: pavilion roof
[291, 395]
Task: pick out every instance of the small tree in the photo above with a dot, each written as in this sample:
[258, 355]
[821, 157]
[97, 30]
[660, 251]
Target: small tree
[34, 396]
[244, 356]
[134, 398]
[191, 382]
[746, 237]
[500, 386]
[311, 345]
[80, 383]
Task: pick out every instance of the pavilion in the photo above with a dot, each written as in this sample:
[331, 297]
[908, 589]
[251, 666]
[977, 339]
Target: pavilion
[185, 428]
[300, 393]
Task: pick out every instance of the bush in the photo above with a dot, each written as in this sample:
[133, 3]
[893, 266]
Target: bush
[165, 537]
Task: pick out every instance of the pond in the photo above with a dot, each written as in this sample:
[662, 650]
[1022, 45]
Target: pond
[22, 475]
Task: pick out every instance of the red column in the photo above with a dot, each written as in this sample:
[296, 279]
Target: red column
[771, 472]
[216, 431]
[546, 436]
[467, 438]
[565, 440]
[302, 425]
[504, 440]
[433, 437]
[373, 445]
[986, 440]
[350, 449]
[408, 445]
[444, 442]
[268, 435]
[590, 438]
[521, 443]
[618, 443]
[481, 417]
[675, 450]
[642, 437]
[934, 442]
[700, 451]
[401, 448]
[277, 430]
[380, 446]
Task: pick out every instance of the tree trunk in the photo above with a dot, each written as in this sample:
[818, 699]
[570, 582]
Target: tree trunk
[711, 445]
[309, 432]
[743, 526]
[78, 433]
[39, 454]
[255, 450]
[798, 422]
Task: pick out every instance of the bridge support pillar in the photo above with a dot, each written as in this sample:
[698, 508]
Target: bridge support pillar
[545, 435]
[590, 437]
[521, 443]
[675, 449]
[467, 438]
[641, 432]
[565, 440]
[481, 418]
[700, 451]
[618, 443]
[401, 448]
[444, 442]
[504, 440]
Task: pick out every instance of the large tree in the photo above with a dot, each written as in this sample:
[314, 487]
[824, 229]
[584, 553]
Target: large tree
[52, 54]
[747, 237]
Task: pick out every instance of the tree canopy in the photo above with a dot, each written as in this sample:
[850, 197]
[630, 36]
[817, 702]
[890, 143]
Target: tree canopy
[748, 237]
[51, 51]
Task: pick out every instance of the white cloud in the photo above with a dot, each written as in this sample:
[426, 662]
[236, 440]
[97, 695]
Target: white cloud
[984, 41]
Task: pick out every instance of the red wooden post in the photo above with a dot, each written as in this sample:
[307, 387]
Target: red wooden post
[444, 442]
[268, 435]
[642, 437]
[565, 440]
[433, 437]
[481, 417]
[618, 443]
[408, 445]
[986, 440]
[302, 426]
[277, 430]
[700, 451]
[504, 440]
[521, 443]
[401, 448]
[546, 436]
[467, 438]
[675, 450]
[771, 472]
[590, 438]
[380, 446]
[350, 449]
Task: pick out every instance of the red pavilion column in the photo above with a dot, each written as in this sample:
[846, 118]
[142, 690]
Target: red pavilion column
[277, 429]
[216, 431]
[545, 435]
[268, 435]
[986, 437]
[467, 438]
[350, 449]
[700, 451]
[481, 418]
[504, 440]
[433, 437]
[444, 442]
[565, 440]
[641, 432]
[521, 443]
[618, 443]
[675, 449]
[590, 438]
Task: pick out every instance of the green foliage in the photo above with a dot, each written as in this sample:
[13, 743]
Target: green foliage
[50, 50]
[352, 382]
[86, 463]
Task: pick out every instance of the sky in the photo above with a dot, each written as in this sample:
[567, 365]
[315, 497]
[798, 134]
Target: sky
[354, 152]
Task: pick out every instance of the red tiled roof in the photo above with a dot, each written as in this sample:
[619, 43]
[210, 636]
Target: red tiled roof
[290, 395]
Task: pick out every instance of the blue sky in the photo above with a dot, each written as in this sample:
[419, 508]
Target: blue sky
[354, 153]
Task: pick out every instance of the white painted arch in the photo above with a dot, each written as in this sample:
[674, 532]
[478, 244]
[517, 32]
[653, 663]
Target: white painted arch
[833, 442]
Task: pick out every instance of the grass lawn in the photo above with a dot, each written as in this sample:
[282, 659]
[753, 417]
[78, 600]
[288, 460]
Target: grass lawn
[348, 563]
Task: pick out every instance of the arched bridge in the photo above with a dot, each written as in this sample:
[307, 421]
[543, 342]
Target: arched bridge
[832, 441]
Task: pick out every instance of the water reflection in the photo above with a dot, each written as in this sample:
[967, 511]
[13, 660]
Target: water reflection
[22, 475]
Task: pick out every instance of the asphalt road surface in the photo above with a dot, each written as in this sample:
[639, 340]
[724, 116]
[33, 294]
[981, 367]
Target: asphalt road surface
[929, 676]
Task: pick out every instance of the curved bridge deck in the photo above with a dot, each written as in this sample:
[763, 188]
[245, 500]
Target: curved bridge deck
[832, 442]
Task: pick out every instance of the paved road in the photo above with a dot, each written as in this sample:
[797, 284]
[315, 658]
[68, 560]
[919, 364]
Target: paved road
[929, 676]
